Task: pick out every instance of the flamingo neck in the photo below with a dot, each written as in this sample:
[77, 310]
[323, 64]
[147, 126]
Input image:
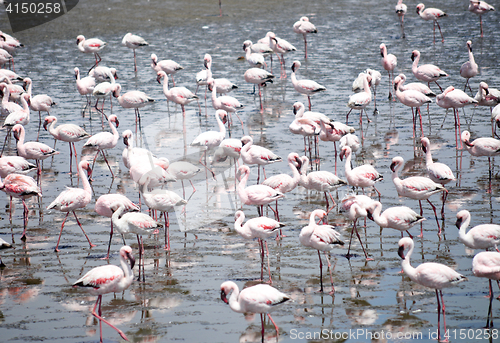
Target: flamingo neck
[222, 127]
[304, 179]
[428, 157]
[295, 172]
[6, 95]
[463, 227]
[312, 219]
[471, 57]
[20, 143]
[116, 135]
[214, 93]
[85, 180]
[348, 168]
[380, 221]
[366, 86]
[52, 130]
[234, 303]
[242, 230]
[30, 84]
[241, 187]
[26, 107]
[165, 85]
[245, 148]
[414, 65]
[127, 273]
[294, 79]
[407, 267]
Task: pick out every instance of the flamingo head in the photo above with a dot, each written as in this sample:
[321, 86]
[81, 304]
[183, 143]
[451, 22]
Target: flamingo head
[383, 49]
[246, 44]
[404, 243]
[114, 119]
[295, 65]
[304, 19]
[47, 121]
[16, 130]
[126, 253]
[397, 81]
[127, 134]
[77, 72]
[461, 216]
[297, 107]
[154, 59]
[161, 74]
[207, 61]
[420, 7]
[469, 45]
[79, 39]
[465, 137]
[243, 170]
[226, 288]
[414, 54]
[238, 214]
[246, 139]
[298, 161]
[396, 162]
[346, 151]
[425, 144]
[222, 115]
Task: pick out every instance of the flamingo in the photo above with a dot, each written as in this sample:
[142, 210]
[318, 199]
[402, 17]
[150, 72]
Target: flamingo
[400, 218]
[22, 187]
[104, 141]
[160, 200]
[259, 77]
[254, 59]
[257, 195]
[202, 78]
[413, 99]
[169, 67]
[438, 172]
[362, 176]
[418, 86]
[305, 127]
[307, 87]
[261, 228]
[320, 181]
[320, 237]
[415, 187]
[229, 147]
[389, 62]
[132, 99]
[431, 14]
[72, 199]
[89, 46]
[5, 57]
[429, 274]
[255, 299]
[103, 90]
[4, 245]
[85, 86]
[15, 164]
[183, 170]
[178, 95]
[103, 207]
[280, 46]
[350, 140]
[426, 72]
[15, 91]
[21, 116]
[109, 279]
[495, 119]
[7, 107]
[134, 222]
[256, 154]
[226, 102]
[304, 27]
[260, 48]
[401, 11]
[470, 68]
[9, 74]
[211, 139]
[487, 96]
[38, 103]
[70, 133]
[482, 236]
[103, 74]
[133, 42]
[359, 101]
[487, 264]
[358, 86]
[479, 8]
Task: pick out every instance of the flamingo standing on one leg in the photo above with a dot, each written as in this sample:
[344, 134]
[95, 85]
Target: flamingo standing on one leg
[256, 154]
[109, 279]
[470, 68]
[487, 264]
[429, 274]
[307, 87]
[133, 42]
[482, 236]
[320, 237]
[389, 62]
[38, 103]
[362, 176]
[92, 45]
[426, 72]
[401, 11]
[479, 8]
[431, 14]
[304, 27]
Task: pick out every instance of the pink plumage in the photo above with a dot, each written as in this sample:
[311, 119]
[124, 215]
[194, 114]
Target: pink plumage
[362, 176]
[178, 95]
[307, 87]
[487, 264]
[426, 72]
[482, 236]
[431, 14]
[169, 67]
[256, 195]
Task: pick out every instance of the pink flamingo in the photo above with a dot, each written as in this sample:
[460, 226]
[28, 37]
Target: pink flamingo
[470, 68]
[130, 152]
[72, 199]
[389, 62]
[431, 14]
[103, 90]
[256, 154]
[487, 264]
[178, 95]
[304, 27]
[21, 116]
[255, 299]
[454, 98]
[261, 228]
[479, 8]
[104, 74]
[105, 140]
[259, 77]
[103, 208]
[334, 132]
[132, 99]
[358, 86]
[320, 181]
[14, 164]
[260, 48]
[362, 176]
[15, 90]
[226, 102]
[109, 279]
[305, 127]
[415, 187]
[438, 172]
[160, 200]
[256, 195]
[169, 67]
[7, 107]
[359, 101]
[429, 274]
[400, 218]
[90, 46]
[487, 96]
[5, 57]
[134, 222]
[38, 103]
[495, 119]
[307, 87]
[223, 85]
[401, 11]
[482, 236]
[320, 237]
[183, 170]
[229, 147]
[418, 86]
[85, 86]
[254, 59]
[211, 139]
[70, 133]
[280, 46]
[22, 187]
[413, 99]
[426, 72]
[133, 42]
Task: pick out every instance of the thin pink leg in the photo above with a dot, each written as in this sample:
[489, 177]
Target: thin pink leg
[60, 233]
[99, 299]
[81, 227]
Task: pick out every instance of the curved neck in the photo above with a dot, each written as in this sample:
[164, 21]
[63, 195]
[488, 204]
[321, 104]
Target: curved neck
[241, 187]
[20, 142]
[26, 107]
[85, 180]
[246, 147]
[242, 229]
[214, 92]
[294, 78]
[165, 84]
[295, 171]
[116, 135]
[312, 219]
[428, 156]
[304, 180]
[380, 221]
[127, 272]
[366, 86]
[222, 127]
[395, 173]
[30, 84]
[414, 65]
[52, 128]
[348, 163]
[471, 57]
[407, 268]
[463, 226]
[234, 303]
[6, 95]
[117, 214]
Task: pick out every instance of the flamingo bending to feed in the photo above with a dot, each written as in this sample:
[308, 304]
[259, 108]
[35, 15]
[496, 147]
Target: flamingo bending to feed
[104, 74]
[479, 8]
[178, 95]
[362, 176]
[401, 11]
[256, 154]
[415, 187]
[85, 86]
[429, 274]
[132, 99]
[91, 45]
[482, 236]
[426, 72]
[320, 237]
[307, 87]
[438, 172]
[487, 264]
[359, 101]
[259, 77]
[22, 187]
[280, 46]
[103, 208]
[105, 140]
[261, 228]
[400, 218]
[70, 133]
[255, 299]
[358, 86]
[72, 199]
[134, 222]
[133, 42]
[304, 27]
[470, 68]
[389, 62]
[109, 279]
[169, 67]
[431, 14]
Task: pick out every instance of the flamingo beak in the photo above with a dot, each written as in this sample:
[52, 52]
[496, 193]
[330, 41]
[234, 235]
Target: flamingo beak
[224, 119]
[205, 63]
[16, 135]
[125, 141]
[117, 122]
[342, 155]
[223, 296]
[325, 220]
[458, 223]
[116, 76]
[294, 111]
[369, 215]
[132, 260]
[45, 125]
[413, 55]
[424, 149]
[401, 252]
[299, 162]
[393, 166]
[159, 79]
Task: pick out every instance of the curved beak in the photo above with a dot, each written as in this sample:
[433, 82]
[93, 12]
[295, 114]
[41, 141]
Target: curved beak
[401, 252]
[223, 296]
[132, 260]
[393, 166]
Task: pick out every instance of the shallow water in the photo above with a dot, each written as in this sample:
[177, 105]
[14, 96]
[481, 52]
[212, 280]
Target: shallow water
[181, 296]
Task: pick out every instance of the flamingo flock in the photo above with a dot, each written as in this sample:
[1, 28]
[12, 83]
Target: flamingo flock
[150, 174]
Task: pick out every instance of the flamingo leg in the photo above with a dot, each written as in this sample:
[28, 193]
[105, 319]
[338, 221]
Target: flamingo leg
[435, 214]
[60, 233]
[309, 99]
[330, 269]
[268, 264]
[275, 326]
[421, 213]
[25, 220]
[347, 117]
[360, 242]
[81, 227]
[98, 316]
[135, 62]
[481, 25]
[320, 272]
[444, 313]
[105, 159]
[439, 316]
[205, 164]
[420, 117]
[167, 231]
[110, 237]
[305, 45]
[439, 27]
[262, 324]
[348, 255]
[489, 323]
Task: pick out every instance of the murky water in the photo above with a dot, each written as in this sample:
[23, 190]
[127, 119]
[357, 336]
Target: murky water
[180, 299]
